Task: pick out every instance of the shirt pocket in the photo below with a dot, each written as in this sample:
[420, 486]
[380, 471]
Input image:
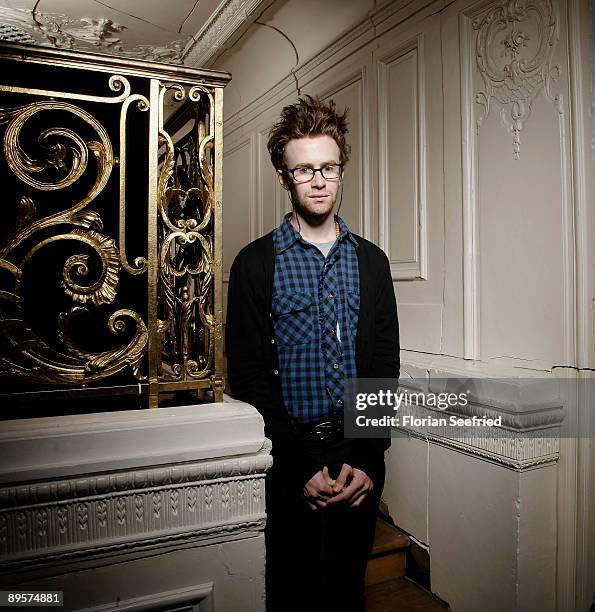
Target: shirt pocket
[353, 312]
[294, 318]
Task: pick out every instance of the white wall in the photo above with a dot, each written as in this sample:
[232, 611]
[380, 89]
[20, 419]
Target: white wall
[484, 210]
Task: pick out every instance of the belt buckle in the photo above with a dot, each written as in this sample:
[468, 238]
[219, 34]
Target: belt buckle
[327, 431]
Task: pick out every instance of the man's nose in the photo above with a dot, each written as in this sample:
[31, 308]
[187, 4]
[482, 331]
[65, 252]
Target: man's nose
[318, 180]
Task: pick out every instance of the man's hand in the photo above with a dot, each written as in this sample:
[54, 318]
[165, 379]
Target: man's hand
[342, 479]
[351, 486]
[319, 489]
[355, 492]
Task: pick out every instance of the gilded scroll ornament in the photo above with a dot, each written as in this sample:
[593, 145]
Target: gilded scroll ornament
[142, 104]
[116, 83]
[69, 155]
[23, 166]
[514, 48]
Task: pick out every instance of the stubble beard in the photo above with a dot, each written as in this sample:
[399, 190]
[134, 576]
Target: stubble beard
[311, 217]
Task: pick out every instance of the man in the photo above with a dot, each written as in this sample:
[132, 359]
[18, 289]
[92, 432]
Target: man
[311, 305]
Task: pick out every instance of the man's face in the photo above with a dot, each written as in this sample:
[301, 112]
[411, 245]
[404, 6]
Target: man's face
[314, 200]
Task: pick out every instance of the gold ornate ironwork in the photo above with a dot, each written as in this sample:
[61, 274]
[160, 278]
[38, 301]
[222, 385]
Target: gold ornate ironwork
[74, 204]
[186, 204]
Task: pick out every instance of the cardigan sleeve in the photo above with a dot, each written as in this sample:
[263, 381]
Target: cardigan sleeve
[385, 357]
[247, 338]
[385, 361]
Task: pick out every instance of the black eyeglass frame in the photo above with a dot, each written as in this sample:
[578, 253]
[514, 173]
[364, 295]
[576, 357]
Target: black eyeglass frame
[291, 171]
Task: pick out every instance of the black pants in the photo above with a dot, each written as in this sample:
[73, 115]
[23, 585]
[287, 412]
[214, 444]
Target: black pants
[316, 559]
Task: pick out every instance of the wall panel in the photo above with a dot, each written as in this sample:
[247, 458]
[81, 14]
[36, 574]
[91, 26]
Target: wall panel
[410, 171]
[238, 221]
[239, 216]
[268, 201]
[516, 183]
[404, 234]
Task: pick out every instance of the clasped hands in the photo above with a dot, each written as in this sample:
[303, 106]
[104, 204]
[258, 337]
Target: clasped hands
[350, 487]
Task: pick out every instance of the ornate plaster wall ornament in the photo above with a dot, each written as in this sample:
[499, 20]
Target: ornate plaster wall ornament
[85, 34]
[514, 48]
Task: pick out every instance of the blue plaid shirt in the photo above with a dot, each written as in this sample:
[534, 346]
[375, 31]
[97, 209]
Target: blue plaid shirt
[311, 294]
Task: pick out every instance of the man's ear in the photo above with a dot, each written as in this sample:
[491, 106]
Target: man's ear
[281, 179]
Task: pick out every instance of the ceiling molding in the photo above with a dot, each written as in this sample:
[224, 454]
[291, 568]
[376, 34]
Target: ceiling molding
[230, 18]
[98, 34]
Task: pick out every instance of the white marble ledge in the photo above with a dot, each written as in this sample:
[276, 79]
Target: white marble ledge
[513, 391]
[55, 447]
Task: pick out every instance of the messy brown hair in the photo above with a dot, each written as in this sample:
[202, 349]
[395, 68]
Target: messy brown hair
[309, 117]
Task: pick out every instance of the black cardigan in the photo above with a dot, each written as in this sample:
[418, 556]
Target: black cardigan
[252, 361]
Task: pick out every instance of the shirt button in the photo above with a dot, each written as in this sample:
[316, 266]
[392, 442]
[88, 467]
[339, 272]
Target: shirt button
[272, 340]
[335, 366]
[330, 296]
[276, 372]
[339, 402]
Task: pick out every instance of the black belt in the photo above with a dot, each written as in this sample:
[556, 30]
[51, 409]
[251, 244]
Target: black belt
[330, 430]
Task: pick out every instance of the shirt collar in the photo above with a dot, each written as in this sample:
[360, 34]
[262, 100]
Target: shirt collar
[286, 235]
[345, 233]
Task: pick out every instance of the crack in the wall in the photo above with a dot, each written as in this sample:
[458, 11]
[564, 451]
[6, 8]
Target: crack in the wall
[117, 10]
[297, 57]
[444, 220]
[434, 354]
[34, 13]
[515, 567]
[188, 16]
[513, 357]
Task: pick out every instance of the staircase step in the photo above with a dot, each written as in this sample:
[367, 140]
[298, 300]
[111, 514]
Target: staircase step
[402, 595]
[388, 538]
[389, 554]
[387, 567]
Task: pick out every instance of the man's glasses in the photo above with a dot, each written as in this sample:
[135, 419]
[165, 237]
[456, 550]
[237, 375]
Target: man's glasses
[304, 174]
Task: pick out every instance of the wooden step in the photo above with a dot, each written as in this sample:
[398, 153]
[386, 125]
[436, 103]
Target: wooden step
[388, 558]
[402, 595]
